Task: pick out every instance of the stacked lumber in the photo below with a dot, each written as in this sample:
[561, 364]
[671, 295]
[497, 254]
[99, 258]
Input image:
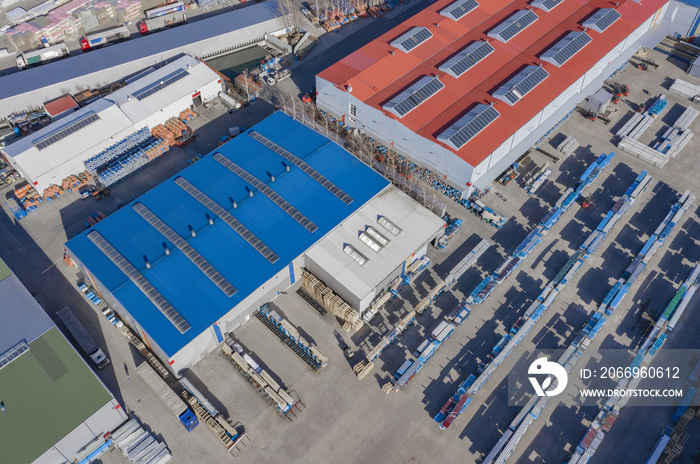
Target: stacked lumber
[332, 302]
[362, 368]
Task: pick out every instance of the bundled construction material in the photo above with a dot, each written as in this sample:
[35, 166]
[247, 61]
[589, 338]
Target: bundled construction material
[139, 445]
[685, 89]
[263, 383]
[643, 152]
[684, 121]
[289, 335]
[568, 146]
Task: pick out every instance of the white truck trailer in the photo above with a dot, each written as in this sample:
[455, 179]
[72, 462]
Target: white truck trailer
[83, 338]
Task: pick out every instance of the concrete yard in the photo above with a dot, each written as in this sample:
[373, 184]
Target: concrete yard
[344, 420]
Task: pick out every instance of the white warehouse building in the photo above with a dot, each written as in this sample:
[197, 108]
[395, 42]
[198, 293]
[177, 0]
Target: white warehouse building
[60, 149]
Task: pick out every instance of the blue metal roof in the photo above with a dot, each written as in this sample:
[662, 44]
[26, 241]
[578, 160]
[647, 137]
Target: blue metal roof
[180, 281]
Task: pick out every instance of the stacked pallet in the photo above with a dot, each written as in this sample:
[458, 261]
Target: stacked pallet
[332, 302]
[685, 89]
[362, 368]
[568, 146]
[161, 132]
[643, 152]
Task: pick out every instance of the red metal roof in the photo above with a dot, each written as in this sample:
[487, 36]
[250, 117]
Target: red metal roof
[376, 75]
[60, 105]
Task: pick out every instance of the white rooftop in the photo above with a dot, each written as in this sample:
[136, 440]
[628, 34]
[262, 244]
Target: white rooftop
[21, 317]
[417, 225]
[107, 120]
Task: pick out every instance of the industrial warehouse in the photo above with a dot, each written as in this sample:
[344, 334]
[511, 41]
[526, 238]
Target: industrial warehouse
[241, 225]
[202, 38]
[61, 149]
[387, 326]
[486, 79]
[39, 371]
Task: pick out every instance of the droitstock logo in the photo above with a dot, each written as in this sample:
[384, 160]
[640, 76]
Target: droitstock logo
[553, 371]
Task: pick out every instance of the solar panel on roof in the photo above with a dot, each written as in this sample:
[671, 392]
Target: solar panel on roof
[409, 99]
[519, 86]
[513, 26]
[458, 9]
[566, 48]
[412, 39]
[232, 222]
[546, 5]
[469, 126]
[602, 19]
[140, 281]
[161, 84]
[75, 126]
[267, 191]
[315, 175]
[467, 58]
[182, 245]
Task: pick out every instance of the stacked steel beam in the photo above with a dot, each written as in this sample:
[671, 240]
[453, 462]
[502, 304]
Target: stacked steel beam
[484, 289]
[265, 385]
[576, 349]
[523, 326]
[586, 448]
[289, 335]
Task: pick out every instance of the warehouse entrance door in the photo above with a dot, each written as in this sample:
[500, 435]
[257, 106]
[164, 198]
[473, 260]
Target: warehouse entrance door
[197, 99]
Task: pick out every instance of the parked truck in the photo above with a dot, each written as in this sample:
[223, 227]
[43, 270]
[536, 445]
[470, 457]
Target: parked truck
[42, 55]
[169, 397]
[103, 38]
[162, 22]
[83, 338]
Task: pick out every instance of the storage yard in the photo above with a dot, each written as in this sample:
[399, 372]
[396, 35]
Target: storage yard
[588, 243]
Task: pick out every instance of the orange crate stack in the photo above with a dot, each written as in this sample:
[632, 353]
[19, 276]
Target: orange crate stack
[187, 114]
[176, 126]
[52, 190]
[161, 132]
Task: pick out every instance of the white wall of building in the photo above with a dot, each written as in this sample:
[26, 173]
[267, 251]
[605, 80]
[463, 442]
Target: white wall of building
[376, 124]
[444, 162]
[207, 342]
[680, 18]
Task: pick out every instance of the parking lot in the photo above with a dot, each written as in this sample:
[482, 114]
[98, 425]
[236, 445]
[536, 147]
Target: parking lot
[344, 420]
